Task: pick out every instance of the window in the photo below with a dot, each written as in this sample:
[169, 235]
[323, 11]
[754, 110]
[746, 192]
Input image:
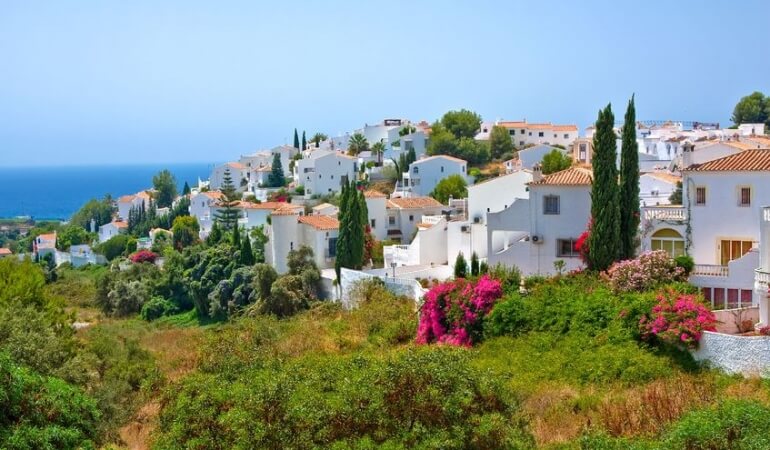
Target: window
[512, 132]
[415, 169]
[744, 199]
[442, 169]
[540, 134]
[521, 142]
[463, 169]
[566, 135]
[411, 218]
[669, 240]
[391, 220]
[554, 135]
[332, 247]
[733, 249]
[700, 195]
[582, 152]
[566, 248]
[530, 133]
[522, 132]
[551, 204]
[374, 221]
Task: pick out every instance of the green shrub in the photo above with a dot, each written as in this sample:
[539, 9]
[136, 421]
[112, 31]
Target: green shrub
[158, 307]
[733, 424]
[685, 262]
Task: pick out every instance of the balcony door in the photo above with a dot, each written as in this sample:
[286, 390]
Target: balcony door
[733, 249]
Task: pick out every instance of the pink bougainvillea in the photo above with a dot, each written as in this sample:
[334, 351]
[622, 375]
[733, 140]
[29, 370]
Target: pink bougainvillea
[678, 319]
[453, 312]
[648, 270]
[143, 256]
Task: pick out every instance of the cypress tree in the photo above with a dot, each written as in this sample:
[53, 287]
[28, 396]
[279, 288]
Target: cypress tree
[228, 215]
[342, 258]
[604, 240]
[247, 254]
[276, 177]
[461, 267]
[629, 184]
[236, 238]
[215, 235]
[474, 264]
[304, 141]
[358, 224]
[296, 139]
[186, 189]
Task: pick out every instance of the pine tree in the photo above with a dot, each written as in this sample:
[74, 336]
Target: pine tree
[296, 139]
[603, 242]
[474, 264]
[276, 177]
[247, 254]
[629, 185]
[228, 214]
[236, 237]
[304, 141]
[186, 189]
[461, 266]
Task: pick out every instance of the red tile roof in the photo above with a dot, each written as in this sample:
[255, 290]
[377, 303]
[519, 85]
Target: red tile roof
[414, 202]
[320, 222]
[5, 251]
[120, 224]
[745, 161]
[374, 194]
[574, 176]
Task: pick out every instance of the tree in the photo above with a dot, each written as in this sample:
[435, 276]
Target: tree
[753, 108]
[100, 211]
[473, 151]
[378, 149]
[247, 254]
[461, 266]
[357, 144]
[72, 235]
[555, 161]
[342, 256]
[165, 188]
[113, 247]
[442, 141]
[186, 190]
[676, 197]
[500, 143]
[236, 236]
[318, 138]
[215, 235]
[629, 185]
[605, 211]
[185, 231]
[228, 214]
[462, 123]
[304, 141]
[260, 239]
[452, 186]
[474, 264]
[276, 177]
[296, 139]
[352, 229]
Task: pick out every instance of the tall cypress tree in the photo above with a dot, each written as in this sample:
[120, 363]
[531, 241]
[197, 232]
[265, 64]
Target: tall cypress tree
[296, 139]
[236, 238]
[276, 177]
[247, 254]
[356, 227]
[604, 241]
[629, 184]
[228, 214]
[342, 258]
[186, 189]
[304, 141]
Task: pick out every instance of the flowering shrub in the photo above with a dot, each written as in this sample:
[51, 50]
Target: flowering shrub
[453, 312]
[650, 269]
[764, 331]
[143, 256]
[581, 245]
[678, 319]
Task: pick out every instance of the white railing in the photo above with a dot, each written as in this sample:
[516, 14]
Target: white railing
[398, 254]
[762, 276]
[431, 220]
[710, 270]
[663, 213]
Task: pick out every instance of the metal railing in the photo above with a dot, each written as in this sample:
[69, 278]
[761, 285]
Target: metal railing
[664, 213]
[710, 270]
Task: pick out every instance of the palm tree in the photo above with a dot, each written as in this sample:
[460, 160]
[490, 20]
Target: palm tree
[357, 144]
[378, 149]
[318, 138]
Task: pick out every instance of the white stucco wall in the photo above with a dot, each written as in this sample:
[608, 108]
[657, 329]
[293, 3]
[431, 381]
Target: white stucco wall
[746, 355]
[497, 194]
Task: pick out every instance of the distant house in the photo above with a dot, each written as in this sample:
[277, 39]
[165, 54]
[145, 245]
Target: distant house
[291, 230]
[239, 175]
[325, 209]
[321, 172]
[523, 133]
[44, 244]
[656, 187]
[126, 202]
[404, 215]
[4, 252]
[112, 229]
[424, 174]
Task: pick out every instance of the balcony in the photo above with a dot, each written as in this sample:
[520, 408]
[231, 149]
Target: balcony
[710, 270]
[673, 212]
[762, 276]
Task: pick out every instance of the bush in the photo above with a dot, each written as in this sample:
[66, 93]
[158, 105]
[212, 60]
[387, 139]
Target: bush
[113, 247]
[143, 256]
[678, 320]
[733, 424]
[158, 307]
[686, 263]
[454, 312]
[649, 270]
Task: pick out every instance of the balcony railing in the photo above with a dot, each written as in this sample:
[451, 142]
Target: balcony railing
[710, 270]
[762, 276]
[664, 213]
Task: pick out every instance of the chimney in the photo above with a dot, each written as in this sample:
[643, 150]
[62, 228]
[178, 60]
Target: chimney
[688, 149]
[537, 173]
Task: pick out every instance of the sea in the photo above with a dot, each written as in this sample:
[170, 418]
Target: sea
[58, 192]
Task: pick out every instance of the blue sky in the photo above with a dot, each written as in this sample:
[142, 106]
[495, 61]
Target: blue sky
[187, 81]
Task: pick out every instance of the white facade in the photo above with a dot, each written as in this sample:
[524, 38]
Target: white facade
[112, 229]
[424, 174]
[523, 133]
[528, 157]
[655, 188]
[376, 205]
[238, 173]
[126, 202]
[404, 214]
[321, 172]
[290, 231]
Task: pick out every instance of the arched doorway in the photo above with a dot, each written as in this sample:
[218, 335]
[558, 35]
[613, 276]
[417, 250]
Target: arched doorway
[669, 240]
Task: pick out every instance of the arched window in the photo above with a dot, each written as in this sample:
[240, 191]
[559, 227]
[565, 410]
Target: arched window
[669, 240]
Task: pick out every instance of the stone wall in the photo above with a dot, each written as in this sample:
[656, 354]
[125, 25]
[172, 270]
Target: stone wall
[746, 355]
[397, 286]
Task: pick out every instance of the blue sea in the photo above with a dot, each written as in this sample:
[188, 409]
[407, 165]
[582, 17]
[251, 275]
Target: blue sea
[58, 192]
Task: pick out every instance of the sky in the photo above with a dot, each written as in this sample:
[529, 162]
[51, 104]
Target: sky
[115, 82]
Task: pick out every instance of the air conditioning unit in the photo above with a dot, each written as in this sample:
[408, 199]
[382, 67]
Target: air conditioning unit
[465, 229]
[536, 239]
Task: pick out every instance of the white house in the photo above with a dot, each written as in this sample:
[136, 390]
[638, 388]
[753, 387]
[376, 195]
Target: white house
[424, 174]
[126, 202]
[239, 175]
[533, 233]
[112, 229]
[321, 172]
[530, 156]
[376, 205]
[44, 244]
[290, 230]
[656, 187]
[325, 209]
[202, 207]
[523, 133]
[404, 215]
[205, 206]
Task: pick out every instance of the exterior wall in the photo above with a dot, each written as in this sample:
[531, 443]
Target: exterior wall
[729, 320]
[430, 171]
[707, 152]
[125, 207]
[654, 191]
[534, 155]
[497, 194]
[465, 237]
[318, 240]
[377, 209]
[721, 217]
[746, 355]
[108, 231]
[409, 226]
[200, 208]
[284, 236]
[322, 175]
[238, 175]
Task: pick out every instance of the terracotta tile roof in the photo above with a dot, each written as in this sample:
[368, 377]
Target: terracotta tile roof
[126, 199]
[266, 205]
[513, 124]
[374, 194]
[741, 145]
[539, 126]
[574, 176]
[213, 194]
[47, 236]
[235, 165]
[747, 160]
[414, 202]
[451, 158]
[320, 222]
[565, 128]
[264, 169]
[285, 212]
[119, 224]
[5, 251]
[665, 176]
[143, 194]
[324, 206]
